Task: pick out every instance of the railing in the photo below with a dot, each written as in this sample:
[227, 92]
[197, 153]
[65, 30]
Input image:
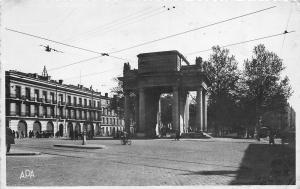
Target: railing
[61, 103]
[13, 113]
[69, 104]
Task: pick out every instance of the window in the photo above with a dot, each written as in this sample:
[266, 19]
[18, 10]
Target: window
[27, 110]
[52, 97]
[90, 102]
[45, 95]
[36, 94]
[52, 111]
[18, 109]
[44, 110]
[37, 110]
[69, 99]
[85, 102]
[80, 101]
[27, 93]
[75, 100]
[61, 97]
[18, 91]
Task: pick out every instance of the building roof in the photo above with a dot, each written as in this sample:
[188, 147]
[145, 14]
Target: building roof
[165, 52]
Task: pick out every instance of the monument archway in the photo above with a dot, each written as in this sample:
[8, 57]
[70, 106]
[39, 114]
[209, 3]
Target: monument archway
[164, 72]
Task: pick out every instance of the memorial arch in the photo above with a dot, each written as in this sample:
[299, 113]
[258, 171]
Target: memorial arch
[164, 72]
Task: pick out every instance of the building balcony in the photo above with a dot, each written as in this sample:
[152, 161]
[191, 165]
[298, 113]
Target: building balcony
[41, 100]
[12, 113]
[69, 104]
[12, 95]
[61, 103]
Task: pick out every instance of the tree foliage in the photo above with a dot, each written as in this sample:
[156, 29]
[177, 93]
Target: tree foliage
[266, 90]
[223, 73]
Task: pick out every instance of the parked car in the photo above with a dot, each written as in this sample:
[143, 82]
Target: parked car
[263, 132]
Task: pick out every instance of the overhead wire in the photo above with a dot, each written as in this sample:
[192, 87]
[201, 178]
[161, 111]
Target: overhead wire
[287, 23]
[68, 45]
[188, 31]
[145, 43]
[116, 28]
[219, 22]
[238, 43]
[90, 74]
[114, 22]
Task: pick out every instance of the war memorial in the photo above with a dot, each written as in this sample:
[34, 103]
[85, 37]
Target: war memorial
[165, 72]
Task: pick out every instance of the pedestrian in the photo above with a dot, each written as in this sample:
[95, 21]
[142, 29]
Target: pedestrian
[177, 134]
[17, 134]
[271, 137]
[22, 134]
[14, 134]
[9, 139]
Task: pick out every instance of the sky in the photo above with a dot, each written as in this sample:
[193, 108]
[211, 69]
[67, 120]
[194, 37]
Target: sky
[108, 26]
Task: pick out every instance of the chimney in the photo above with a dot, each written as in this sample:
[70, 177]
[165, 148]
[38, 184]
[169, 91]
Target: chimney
[60, 81]
[106, 94]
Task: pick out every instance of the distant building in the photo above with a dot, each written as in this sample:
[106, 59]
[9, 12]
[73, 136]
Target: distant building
[37, 103]
[280, 120]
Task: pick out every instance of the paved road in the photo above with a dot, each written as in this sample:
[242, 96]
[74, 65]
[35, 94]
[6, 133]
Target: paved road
[145, 162]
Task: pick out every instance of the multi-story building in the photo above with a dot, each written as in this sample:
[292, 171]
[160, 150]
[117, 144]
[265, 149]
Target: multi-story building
[37, 103]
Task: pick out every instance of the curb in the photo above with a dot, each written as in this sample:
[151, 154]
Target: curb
[23, 154]
[80, 146]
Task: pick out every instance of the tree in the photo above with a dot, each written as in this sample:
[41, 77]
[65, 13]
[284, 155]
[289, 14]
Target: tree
[224, 75]
[266, 91]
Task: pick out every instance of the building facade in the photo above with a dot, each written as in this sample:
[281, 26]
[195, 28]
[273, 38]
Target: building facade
[37, 103]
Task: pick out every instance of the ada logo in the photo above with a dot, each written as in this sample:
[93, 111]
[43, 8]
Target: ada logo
[27, 174]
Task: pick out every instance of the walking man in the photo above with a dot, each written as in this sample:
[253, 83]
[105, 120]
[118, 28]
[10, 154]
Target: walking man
[9, 139]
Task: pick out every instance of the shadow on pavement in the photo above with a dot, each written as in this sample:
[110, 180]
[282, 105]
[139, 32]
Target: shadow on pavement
[265, 164]
[219, 172]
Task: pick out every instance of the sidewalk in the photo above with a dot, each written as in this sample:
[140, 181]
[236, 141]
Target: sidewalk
[18, 152]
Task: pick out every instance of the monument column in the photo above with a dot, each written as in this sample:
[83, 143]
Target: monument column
[142, 113]
[187, 113]
[127, 112]
[136, 111]
[175, 109]
[199, 110]
[205, 111]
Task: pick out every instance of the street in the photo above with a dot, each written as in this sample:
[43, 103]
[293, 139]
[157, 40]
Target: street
[147, 162]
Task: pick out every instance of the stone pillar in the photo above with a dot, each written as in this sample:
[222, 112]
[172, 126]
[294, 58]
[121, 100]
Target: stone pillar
[142, 113]
[205, 111]
[199, 110]
[175, 109]
[187, 113]
[136, 105]
[182, 103]
[41, 110]
[32, 110]
[31, 92]
[23, 93]
[48, 112]
[12, 108]
[127, 111]
[12, 90]
[23, 109]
